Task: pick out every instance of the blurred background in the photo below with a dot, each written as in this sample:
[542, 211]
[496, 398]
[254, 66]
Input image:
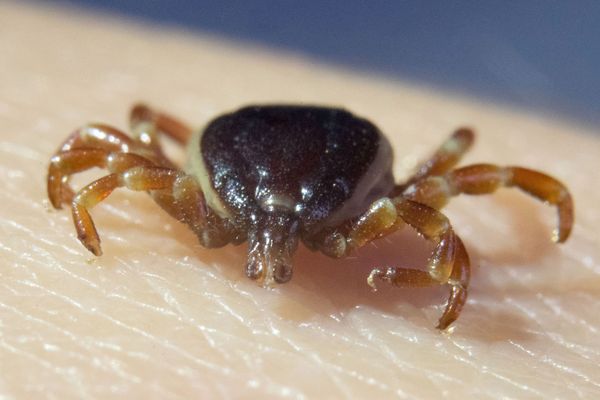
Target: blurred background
[540, 54]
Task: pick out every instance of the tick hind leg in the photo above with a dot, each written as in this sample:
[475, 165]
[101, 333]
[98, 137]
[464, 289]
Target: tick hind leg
[458, 281]
[486, 178]
[448, 264]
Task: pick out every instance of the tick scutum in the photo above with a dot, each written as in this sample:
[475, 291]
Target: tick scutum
[308, 161]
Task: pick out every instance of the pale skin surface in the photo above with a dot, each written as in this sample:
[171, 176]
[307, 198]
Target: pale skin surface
[157, 316]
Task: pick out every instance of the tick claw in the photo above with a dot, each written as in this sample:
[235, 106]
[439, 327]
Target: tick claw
[92, 244]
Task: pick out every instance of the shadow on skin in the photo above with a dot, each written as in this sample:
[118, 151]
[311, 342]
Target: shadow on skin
[494, 326]
[528, 228]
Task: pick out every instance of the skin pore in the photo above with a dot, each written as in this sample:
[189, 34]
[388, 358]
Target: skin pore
[159, 316]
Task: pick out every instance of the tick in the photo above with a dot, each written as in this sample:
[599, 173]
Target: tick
[274, 175]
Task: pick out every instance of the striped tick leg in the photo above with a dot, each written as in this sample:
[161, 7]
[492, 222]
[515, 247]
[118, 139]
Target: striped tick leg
[177, 193]
[67, 163]
[137, 178]
[448, 264]
[92, 136]
[186, 203]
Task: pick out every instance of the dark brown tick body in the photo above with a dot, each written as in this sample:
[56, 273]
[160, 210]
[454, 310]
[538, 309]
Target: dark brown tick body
[273, 175]
[284, 172]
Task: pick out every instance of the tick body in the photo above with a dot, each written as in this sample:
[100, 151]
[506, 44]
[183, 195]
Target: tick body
[276, 175]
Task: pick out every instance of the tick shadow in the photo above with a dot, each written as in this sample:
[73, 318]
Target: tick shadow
[530, 225]
[339, 286]
[330, 287]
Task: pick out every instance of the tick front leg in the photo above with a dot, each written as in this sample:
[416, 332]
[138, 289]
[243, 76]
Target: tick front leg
[411, 278]
[448, 264]
[138, 178]
[386, 216]
[70, 162]
[486, 178]
[175, 192]
[434, 226]
[92, 136]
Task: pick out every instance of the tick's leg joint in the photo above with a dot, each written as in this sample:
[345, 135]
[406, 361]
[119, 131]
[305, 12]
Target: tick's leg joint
[380, 219]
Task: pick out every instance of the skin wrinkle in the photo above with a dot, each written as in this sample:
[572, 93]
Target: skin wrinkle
[42, 362]
[388, 352]
[189, 320]
[120, 324]
[339, 383]
[45, 364]
[556, 365]
[203, 330]
[158, 316]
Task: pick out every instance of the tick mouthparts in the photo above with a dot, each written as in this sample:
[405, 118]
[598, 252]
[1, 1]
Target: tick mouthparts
[269, 270]
[270, 249]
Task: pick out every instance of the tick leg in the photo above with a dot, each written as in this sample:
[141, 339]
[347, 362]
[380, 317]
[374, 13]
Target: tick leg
[485, 178]
[458, 282]
[386, 214]
[444, 159]
[380, 219]
[94, 136]
[448, 264]
[137, 178]
[145, 122]
[183, 200]
[67, 163]
[434, 226]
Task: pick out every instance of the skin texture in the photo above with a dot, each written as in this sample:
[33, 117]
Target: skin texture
[158, 316]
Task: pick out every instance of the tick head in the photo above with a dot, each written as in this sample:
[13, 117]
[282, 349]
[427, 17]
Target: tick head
[271, 245]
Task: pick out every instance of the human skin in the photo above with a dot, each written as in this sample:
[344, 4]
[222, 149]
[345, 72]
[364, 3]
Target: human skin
[157, 316]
